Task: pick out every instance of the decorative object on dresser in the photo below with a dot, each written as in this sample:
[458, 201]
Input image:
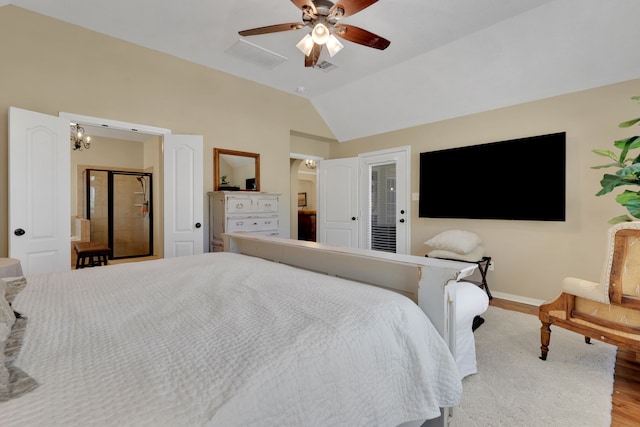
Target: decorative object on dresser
[235, 170]
[241, 211]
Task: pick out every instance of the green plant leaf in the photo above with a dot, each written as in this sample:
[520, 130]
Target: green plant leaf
[607, 166]
[609, 182]
[628, 143]
[633, 206]
[618, 219]
[606, 153]
[630, 172]
[629, 123]
[627, 196]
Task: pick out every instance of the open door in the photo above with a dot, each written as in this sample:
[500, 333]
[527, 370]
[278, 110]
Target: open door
[183, 195]
[39, 199]
[363, 202]
[337, 213]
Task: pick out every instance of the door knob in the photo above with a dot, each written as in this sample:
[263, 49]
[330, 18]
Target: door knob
[402, 212]
[401, 219]
[19, 232]
[198, 225]
[353, 218]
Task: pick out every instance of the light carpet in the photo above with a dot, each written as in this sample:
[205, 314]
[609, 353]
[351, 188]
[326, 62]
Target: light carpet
[513, 387]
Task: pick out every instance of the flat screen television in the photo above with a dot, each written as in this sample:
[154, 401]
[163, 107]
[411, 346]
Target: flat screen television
[519, 179]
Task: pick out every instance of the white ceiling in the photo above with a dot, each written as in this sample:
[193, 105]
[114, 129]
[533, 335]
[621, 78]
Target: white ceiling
[447, 58]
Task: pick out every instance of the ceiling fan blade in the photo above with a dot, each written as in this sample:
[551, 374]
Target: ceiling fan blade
[272, 29]
[360, 36]
[311, 59]
[350, 7]
[305, 6]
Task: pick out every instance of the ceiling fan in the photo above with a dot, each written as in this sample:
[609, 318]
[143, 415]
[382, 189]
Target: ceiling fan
[324, 16]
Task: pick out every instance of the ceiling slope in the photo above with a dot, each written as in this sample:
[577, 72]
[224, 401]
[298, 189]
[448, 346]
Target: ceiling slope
[447, 58]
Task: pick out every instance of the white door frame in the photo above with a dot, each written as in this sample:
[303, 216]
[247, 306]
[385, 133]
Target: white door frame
[113, 124]
[401, 156]
[293, 199]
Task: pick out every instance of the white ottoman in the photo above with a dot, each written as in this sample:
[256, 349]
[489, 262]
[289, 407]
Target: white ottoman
[471, 301]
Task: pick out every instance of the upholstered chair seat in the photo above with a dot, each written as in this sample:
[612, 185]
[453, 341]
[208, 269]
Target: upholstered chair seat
[608, 311]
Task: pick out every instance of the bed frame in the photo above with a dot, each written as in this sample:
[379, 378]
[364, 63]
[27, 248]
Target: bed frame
[426, 281]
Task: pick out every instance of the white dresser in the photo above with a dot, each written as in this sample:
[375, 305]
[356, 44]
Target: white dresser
[241, 211]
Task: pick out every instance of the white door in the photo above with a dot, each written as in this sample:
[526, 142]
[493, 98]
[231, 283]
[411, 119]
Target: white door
[183, 195]
[384, 185]
[39, 199]
[337, 213]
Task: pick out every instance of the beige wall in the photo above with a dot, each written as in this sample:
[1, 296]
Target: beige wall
[120, 81]
[531, 258]
[49, 66]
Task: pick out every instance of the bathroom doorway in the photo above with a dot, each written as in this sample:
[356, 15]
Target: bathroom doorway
[119, 205]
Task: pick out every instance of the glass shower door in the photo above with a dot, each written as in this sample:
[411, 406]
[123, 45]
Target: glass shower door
[119, 207]
[131, 223]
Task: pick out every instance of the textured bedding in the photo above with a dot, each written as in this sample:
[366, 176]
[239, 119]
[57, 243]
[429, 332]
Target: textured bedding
[225, 340]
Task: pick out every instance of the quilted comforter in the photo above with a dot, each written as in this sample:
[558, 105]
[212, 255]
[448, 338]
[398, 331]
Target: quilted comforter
[224, 340]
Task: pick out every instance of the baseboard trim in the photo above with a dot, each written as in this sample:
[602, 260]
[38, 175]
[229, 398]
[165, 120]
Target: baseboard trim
[518, 298]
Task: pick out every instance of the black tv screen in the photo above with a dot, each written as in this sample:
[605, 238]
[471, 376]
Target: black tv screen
[519, 179]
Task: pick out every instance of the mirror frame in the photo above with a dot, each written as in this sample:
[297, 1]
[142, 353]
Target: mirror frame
[216, 166]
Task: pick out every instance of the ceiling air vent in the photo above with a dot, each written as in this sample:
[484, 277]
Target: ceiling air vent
[255, 54]
[325, 66]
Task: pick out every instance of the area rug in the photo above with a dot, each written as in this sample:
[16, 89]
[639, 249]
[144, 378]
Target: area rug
[513, 387]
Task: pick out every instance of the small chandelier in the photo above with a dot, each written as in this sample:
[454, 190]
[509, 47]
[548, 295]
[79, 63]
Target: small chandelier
[78, 139]
[310, 163]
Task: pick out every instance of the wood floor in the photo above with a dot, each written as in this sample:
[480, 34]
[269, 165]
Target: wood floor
[626, 387]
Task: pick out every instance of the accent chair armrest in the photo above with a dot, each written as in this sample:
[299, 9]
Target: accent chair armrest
[584, 288]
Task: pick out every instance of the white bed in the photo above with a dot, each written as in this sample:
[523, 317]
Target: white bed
[227, 339]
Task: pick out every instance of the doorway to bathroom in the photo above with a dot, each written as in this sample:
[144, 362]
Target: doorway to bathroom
[119, 206]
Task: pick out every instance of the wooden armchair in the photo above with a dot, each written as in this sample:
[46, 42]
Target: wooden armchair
[608, 311]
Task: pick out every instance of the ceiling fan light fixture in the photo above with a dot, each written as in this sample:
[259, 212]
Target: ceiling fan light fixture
[305, 45]
[320, 34]
[333, 45]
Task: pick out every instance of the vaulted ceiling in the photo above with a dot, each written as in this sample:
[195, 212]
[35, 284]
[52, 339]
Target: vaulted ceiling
[447, 58]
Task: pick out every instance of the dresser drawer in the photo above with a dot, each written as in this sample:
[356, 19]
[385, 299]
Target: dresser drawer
[251, 204]
[252, 224]
[240, 204]
[267, 204]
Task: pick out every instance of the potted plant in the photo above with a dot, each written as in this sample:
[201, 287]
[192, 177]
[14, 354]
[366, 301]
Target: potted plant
[628, 172]
[223, 180]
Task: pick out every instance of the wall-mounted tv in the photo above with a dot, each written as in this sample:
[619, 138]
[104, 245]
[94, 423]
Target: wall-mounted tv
[519, 179]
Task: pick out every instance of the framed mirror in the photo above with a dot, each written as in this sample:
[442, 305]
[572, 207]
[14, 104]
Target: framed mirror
[235, 170]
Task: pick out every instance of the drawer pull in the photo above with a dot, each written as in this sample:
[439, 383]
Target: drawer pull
[239, 223]
[267, 222]
[239, 205]
[255, 223]
[268, 205]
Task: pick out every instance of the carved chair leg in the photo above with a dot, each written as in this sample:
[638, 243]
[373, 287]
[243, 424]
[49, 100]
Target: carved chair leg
[545, 337]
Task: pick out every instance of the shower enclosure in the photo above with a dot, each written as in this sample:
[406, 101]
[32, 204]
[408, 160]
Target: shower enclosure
[118, 203]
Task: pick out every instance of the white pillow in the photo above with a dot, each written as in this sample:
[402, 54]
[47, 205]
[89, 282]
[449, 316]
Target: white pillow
[458, 241]
[473, 256]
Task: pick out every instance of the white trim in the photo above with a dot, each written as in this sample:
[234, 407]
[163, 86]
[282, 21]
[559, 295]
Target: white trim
[517, 298]
[113, 124]
[299, 156]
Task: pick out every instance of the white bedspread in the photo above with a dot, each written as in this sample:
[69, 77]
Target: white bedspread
[225, 340]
